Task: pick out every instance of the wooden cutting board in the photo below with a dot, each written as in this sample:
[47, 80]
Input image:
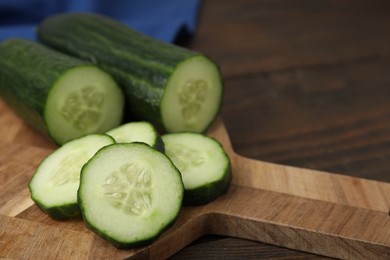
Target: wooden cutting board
[302, 209]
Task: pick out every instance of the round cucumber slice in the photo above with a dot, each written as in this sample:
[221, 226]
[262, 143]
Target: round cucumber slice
[130, 193]
[138, 132]
[84, 100]
[203, 163]
[54, 184]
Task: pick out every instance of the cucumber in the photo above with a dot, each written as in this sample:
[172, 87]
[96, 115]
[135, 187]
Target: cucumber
[129, 194]
[60, 96]
[54, 184]
[203, 163]
[138, 132]
[174, 88]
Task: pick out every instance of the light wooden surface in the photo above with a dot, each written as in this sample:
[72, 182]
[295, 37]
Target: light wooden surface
[312, 211]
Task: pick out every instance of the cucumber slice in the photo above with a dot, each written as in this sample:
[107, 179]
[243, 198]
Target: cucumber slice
[138, 132]
[203, 163]
[129, 194]
[54, 184]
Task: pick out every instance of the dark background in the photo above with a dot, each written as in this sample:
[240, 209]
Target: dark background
[307, 84]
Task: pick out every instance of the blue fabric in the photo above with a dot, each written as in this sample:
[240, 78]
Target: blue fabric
[161, 19]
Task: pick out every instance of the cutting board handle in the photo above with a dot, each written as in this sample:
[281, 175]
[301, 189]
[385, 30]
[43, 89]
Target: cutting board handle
[301, 182]
[312, 184]
[319, 227]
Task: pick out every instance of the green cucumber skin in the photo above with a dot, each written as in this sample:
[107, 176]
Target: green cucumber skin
[27, 72]
[63, 212]
[125, 245]
[209, 192]
[140, 64]
[159, 144]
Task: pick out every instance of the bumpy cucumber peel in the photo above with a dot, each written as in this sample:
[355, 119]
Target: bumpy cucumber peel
[174, 88]
[61, 96]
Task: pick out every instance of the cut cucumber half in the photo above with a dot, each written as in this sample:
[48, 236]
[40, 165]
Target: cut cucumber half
[59, 95]
[54, 184]
[83, 101]
[174, 88]
[130, 193]
[192, 96]
[142, 131]
[203, 163]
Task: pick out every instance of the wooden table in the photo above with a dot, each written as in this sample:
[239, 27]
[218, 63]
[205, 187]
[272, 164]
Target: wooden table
[307, 84]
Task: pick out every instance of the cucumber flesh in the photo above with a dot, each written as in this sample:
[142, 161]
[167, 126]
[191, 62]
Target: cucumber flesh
[83, 101]
[138, 132]
[54, 184]
[192, 96]
[130, 193]
[203, 163]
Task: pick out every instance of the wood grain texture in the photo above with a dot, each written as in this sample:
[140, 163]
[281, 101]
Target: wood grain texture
[15, 131]
[17, 164]
[24, 239]
[307, 86]
[221, 247]
[280, 205]
[335, 119]
[317, 185]
[254, 36]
